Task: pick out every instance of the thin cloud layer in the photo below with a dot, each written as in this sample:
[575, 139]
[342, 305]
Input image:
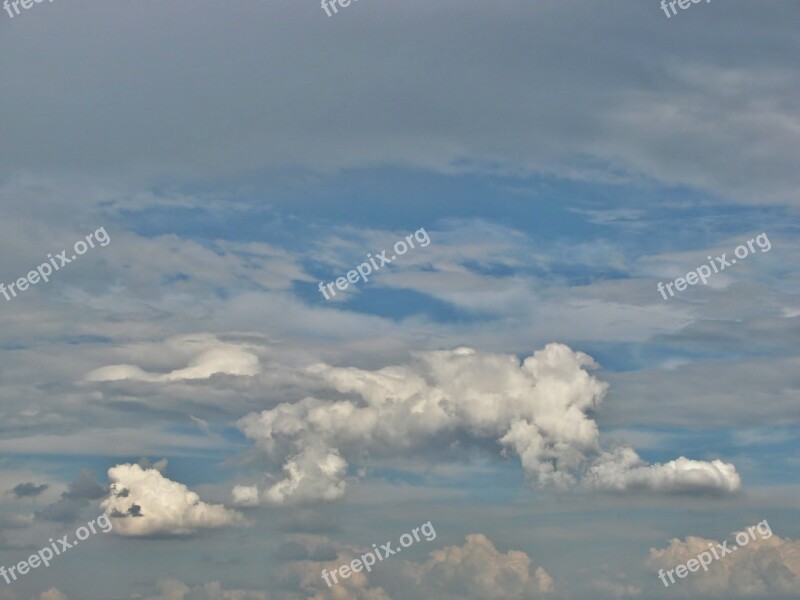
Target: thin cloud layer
[173, 589]
[538, 410]
[214, 357]
[142, 502]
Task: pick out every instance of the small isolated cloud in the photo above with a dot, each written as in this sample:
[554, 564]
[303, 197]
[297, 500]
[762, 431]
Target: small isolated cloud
[172, 589]
[52, 594]
[211, 357]
[28, 490]
[77, 497]
[142, 502]
[478, 570]
[539, 410]
[765, 566]
[203, 425]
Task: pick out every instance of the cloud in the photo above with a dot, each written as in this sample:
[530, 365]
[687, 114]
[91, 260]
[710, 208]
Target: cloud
[617, 589]
[477, 570]
[763, 567]
[142, 502]
[538, 410]
[215, 357]
[203, 425]
[245, 495]
[305, 574]
[52, 594]
[172, 589]
[69, 506]
[28, 490]
[685, 115]
[623, 470]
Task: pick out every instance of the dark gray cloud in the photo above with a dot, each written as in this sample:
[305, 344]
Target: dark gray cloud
[451, 85]
[72, 502]
[28, 490]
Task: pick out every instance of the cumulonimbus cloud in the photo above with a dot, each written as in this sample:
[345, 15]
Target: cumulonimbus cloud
[538, 410]
[142, 502]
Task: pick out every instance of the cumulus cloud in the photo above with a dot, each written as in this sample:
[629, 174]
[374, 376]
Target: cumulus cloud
[539, 410]
[172, 589]
[765, 566]
[478, 570]
[624, 470]
[212, 357]
[305, 574]
[142, 502]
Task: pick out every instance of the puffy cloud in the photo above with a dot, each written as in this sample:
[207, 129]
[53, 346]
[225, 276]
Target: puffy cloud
[172, 589]
[765, 566]
[143, 502]
[214, 357]
[306, 574]
[624, 470]
[538, 410]
[477, 570]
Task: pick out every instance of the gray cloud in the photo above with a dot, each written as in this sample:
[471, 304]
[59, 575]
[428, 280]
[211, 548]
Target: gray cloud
[28, 490]
[658, 98]
[77, 497]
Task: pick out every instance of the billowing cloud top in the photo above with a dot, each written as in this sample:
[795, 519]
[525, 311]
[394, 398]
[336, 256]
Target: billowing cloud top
[767, 566]
[478, 570]
[537, 410]
[143, 502]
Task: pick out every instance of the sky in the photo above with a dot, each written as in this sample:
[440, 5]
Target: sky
[508, 287]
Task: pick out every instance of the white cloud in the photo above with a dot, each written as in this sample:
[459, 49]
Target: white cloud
[537, 410]
[623, 470]
[212, 357]
[477, 570]
[762, 567]
[143, 502]
[245, 495]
